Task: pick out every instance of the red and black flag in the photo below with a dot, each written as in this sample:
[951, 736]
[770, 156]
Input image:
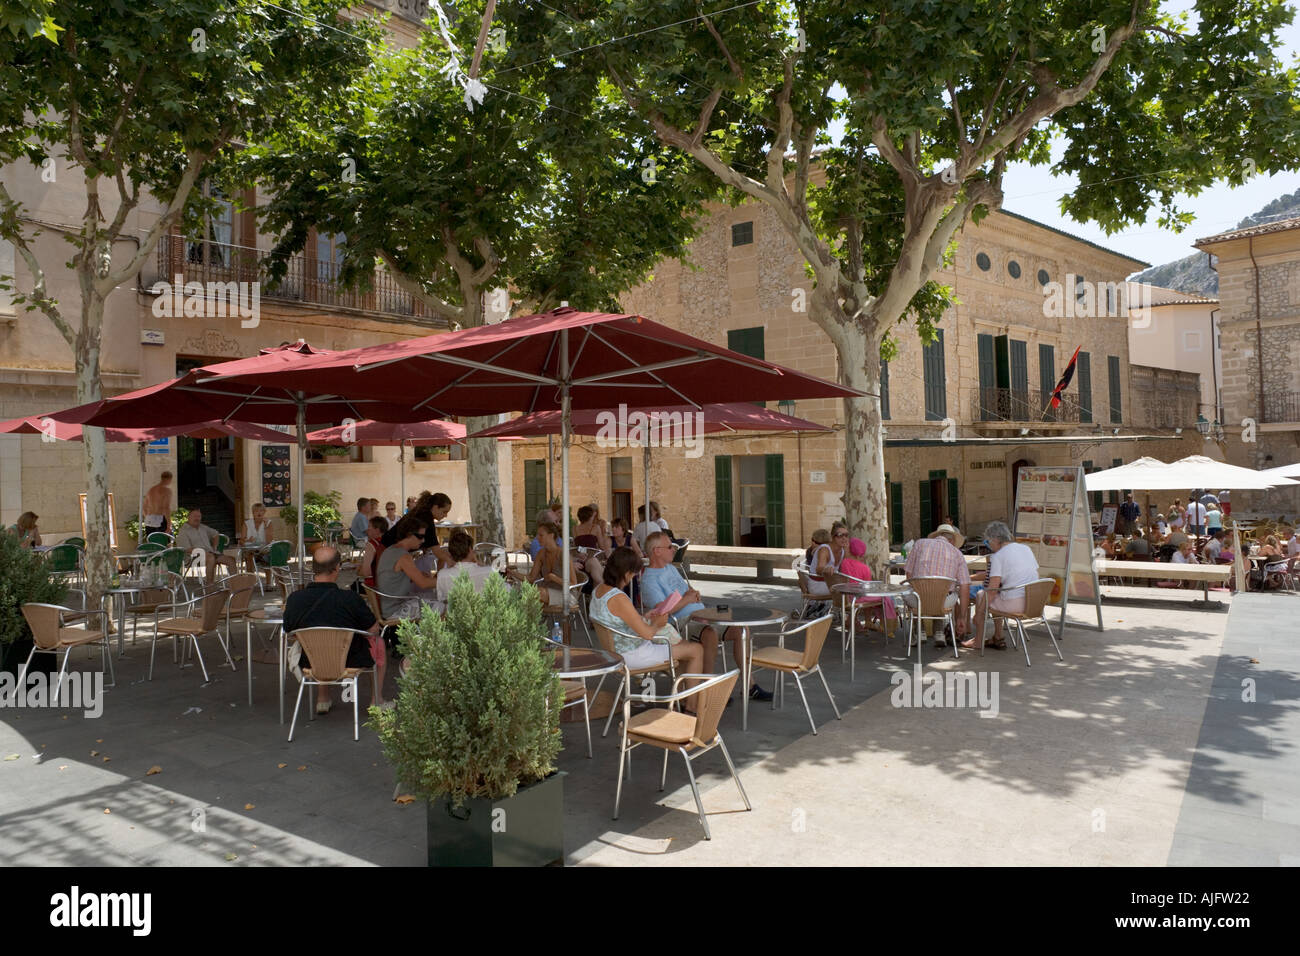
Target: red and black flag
[1066, 377]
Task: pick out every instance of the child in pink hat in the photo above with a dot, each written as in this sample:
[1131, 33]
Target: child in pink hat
[855, 567]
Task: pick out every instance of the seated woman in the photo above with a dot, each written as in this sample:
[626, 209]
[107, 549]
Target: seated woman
[397, 575]
[256, 533]
[854, 567]
[1112, 546]
[820, 559]
[612, 608]
[25, 530]
[621, 537]
[592, 534]
[1270, 548]
[375, 532]
[548, 567]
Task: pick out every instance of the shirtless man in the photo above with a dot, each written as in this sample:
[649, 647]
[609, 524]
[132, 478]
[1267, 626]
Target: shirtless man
[158, 505]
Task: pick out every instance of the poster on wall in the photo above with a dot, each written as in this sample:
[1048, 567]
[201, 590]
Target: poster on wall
[112, 519]
[1109, 513]
[277, 488]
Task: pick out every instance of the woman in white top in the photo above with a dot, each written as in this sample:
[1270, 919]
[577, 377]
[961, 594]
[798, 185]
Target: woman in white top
[821, 560]
[257, 531]
[1184, 554]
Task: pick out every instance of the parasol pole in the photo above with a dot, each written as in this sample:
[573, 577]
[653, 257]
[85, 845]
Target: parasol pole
[566, 428]
[139, 531]
[302, 473]
[401, 466]
[550, 472]
[645, 458]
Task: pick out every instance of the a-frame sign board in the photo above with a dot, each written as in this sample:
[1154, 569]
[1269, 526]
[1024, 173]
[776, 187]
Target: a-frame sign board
[1053, 520]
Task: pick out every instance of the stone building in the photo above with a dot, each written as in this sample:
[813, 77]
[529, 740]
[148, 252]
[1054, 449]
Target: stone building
[144, 344]
[961, 413]
[1178, 330]
[1259, 293]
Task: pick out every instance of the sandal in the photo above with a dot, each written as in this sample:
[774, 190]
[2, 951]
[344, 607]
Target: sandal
[996, 645]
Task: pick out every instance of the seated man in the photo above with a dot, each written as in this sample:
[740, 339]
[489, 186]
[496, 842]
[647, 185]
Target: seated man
[461, 547]
[936, 556]
[194, 536]
[1137, 545]
[662, 579]
[360, 522]
[1011, 566]
[1214, 547]
[324, 604]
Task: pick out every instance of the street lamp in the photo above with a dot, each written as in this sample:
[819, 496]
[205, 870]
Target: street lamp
[1202, 425]
[1216, 430]
[786, 406]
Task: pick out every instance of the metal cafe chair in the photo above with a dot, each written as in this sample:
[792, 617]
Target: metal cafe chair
[51, 633]
[798, 664]
[327, 649]
[1037, 594]
[690, 735]
[936, 599]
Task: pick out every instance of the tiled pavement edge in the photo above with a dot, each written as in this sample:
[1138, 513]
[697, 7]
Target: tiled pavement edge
[1242, 805]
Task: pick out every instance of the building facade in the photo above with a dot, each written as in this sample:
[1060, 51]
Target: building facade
[961, 414]
[1259, 294]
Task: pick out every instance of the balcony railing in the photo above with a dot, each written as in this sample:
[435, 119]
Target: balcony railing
[1281, 407]
[1024, 405]
[306, 279]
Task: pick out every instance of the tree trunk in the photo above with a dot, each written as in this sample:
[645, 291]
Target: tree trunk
[865, 502]
[99, 559]
[484, 486]
[481, 453]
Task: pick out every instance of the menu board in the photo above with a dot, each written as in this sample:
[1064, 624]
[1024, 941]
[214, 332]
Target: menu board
[1052, 520]
[1108, 515]
[276, 471]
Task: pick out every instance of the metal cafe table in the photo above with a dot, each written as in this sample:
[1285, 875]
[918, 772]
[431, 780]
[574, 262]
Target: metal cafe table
[849, 592]
[747, 618]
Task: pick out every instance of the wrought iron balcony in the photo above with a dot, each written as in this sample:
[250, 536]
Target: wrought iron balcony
[306, 280]
[1028, 406]
[1281, 407]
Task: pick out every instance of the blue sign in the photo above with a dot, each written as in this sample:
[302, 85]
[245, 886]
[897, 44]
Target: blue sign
[160, 446]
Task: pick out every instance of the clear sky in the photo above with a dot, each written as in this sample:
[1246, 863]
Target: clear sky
[1036, 193]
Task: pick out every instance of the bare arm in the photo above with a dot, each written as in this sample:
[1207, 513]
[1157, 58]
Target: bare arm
[621, 605]
[406, 565]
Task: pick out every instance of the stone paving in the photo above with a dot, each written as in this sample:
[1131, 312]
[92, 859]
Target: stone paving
[1111, 757]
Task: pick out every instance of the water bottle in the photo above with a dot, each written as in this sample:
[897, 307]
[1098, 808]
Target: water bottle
[557, 635]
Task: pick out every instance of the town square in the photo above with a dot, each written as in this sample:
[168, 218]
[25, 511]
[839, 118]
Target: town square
[621, 434]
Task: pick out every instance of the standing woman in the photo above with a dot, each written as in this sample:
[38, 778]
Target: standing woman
[548, 567]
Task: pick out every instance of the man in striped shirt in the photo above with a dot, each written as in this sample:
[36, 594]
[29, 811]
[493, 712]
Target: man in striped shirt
[937, 556]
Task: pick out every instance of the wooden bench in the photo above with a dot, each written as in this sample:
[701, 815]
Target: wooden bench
[1167, 571]
[1206, 574]
[765, 559]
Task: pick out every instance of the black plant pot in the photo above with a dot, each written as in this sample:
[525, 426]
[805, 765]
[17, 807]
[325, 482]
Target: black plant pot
[15, 654]
[524, 830]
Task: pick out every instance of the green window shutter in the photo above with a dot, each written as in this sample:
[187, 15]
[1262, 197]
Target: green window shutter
[1094, 496]
[923, 498]
[1083, 375]
[895, 511]
[534, 488]
[1019, 366]
[1046, 373]
[987, 363]
[775, 500]
[722, 496]
[1116, 405]
[1114, 495]
[884, 390]
[953, 498]
[747, 342]
[936, 391]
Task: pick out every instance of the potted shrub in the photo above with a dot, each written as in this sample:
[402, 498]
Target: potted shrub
[476, 729]
[435, 452]
[23, 579]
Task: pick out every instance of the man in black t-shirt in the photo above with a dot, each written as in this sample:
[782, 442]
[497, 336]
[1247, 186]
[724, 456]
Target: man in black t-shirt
[324, 604]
